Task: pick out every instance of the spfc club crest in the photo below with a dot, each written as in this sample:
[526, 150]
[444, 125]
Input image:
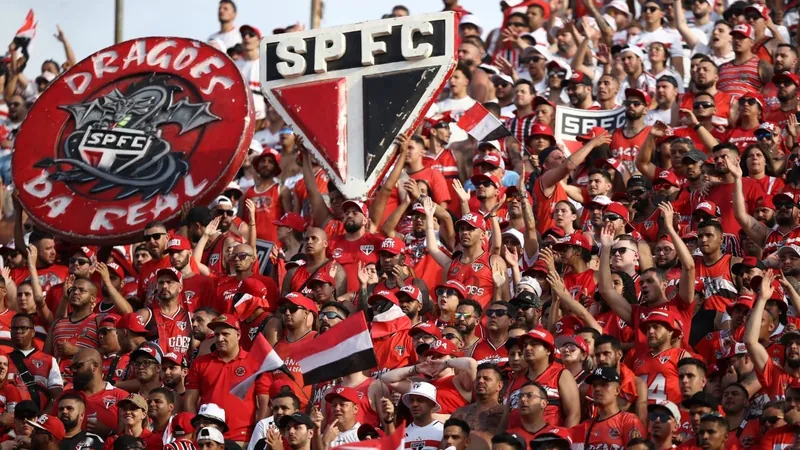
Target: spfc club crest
[400, 349]
[109, 402]
[37, 363]
[129, 135]
[476, 267]
[367, 249]
[648, 224]
[253, 333]
[213, 259]
[181, 325]
[663, 359]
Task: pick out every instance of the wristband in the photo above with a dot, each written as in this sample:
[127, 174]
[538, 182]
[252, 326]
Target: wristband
[697, 127]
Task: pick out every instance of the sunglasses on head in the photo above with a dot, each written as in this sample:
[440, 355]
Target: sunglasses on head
[748, 100]
[224, 212]
[703, 105]
[636, 103]
[496, 313]
[291, 307]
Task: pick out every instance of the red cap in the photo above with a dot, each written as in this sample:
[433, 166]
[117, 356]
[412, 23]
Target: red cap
[250, 27]
[593, 133]
[761, 9]
[540, 266]
[276, 155]
[765, 202]
[172, 272]
[745, 30]
[383, 294]
[754, 95]
[474, 220]
[708, 207]
[540, 129]
[541, 335]
[454, 284]
[576, 239]
[644, 95]
[481, 177]
[618, 209]
[225, 320]
[347, 393]
[182, 424]
[50, 424]
[418, 208]
[90, 253]
[579, 342]
[786, 76]
[665, 318]
[110, 319]
[178, 243]
[300, 300]
[322, 276]
[393, 245]
[425, 328]
[443, 347]
[411, 291]
[558, 232]
[612, 163]
[667, 177]
[176, 358]
[292, 220]
[132, 322]
[492, 159]
[746, 300]
[116, 269]
[360, 205]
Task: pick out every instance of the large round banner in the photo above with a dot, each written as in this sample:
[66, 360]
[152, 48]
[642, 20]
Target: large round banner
[129, 135]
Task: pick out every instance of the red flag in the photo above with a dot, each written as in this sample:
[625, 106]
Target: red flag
[262, 353]
[28, 29]
[395, 441]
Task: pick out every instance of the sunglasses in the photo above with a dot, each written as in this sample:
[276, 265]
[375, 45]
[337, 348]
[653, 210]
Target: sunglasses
[535, 59]
[446, 291]
[79, 261]
[330, 315]
[500, 85]
[748, 100]
[15, 104]
[651, 9]
[753, 16]
[763, 136]
[620, 250]
[292, 308]
[703, 105]
[154, 236]
[224, 212]
[249, 34]
[771, 420]
[496, 313]
[781, 205]
[612, 217]
[636, 193]
[559, 74]
[524, 307]
[517, 24]
[485, 183]
[662, 417]
[239, 256]
[451, 336]
[781, 83]
[635, 103]
[463, 315]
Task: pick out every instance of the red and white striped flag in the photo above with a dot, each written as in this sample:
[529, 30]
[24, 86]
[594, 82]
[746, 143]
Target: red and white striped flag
[479, 123]
[270, 361]
[28, 29]
[344, 349]
[394, 441]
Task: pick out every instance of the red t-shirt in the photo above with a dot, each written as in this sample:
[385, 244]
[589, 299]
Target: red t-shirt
[228, 286]
[199, 291]
[48, 276]
[722, 195]
[285, 350]
[349, 253]
[268, 209]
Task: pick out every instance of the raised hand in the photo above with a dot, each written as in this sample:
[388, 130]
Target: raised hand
[388, 410]
[102, 269]
[60, 34]
[607, 235]
[659, 129]
[668, 213]
[687, 115]
[498, 274]
[411, 188]
[363, 274]
[602, 139]
[511, 256]
[33, 254]
[212, 226]
[429, 206]
[556, 283]
[251, 209]
[462, 194]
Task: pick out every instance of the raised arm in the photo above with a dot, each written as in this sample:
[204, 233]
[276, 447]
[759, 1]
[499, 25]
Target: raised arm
[463, 197]
[430, 235]
[38, 296]
[120, 303]
[683, 26]
[644, 159]
[569, 303]
[686, 288]
[556, 174]
[758, 354]
[67, 47]
[389, 226]
[756, 230]
[320, 213]
[614, 300]
[379, 203]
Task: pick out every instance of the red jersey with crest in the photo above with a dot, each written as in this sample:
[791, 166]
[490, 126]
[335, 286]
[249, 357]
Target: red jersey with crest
[174, 333]
[625, 149]
[610, 433]
[581, 286]
[349, 253]
[475, 276]
[722, 195]
[301, 276]
[199, 291]
[720, 292]
[228, 286]
[268, 209]
[776, 240]
[44, 369]
[543, 205]
[549, 381]
[739, 137]
[213, 254]
[774, 380]
[252, 329]
[147, 279]
[81, 333]
[648, 228]
[285, 350]
[781, 438]
[119, 362]
[485, 352]
[48, 276]
[394, 351]
[103, 405]
[660, 373]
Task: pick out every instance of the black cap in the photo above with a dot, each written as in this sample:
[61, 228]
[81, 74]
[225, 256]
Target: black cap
[297, 417]
[740, 267]
[526, 298]
[703, 399]
[786, 339]
[638, 180]
[695, 156]
[725, 146]
[26, 409]
[657, 2]
[198, 214]
[603, 374]
[669, 79]
[366, 430]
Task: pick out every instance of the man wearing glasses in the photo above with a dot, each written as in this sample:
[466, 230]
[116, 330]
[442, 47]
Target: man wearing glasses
[80, 265]
[45, 382]
[155, 239]
[167, 320]
[663, 421]
[298, 313]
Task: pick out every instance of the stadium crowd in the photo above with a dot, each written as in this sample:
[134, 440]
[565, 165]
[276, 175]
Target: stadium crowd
[640, 290]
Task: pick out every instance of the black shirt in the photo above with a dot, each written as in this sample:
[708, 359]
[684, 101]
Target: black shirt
[83, 441]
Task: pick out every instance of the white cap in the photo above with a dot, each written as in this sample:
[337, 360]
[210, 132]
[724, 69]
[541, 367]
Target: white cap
[517, 235]
[532, 283]
[256, 147]
[210, 434]
[221, 200]
[558, 24]
[601, 200]
[503, 77]
[423, 389]
[212, 411]
[619, 5]
[631, 48]
[672, 407]
[233, 185]
[471, 19]
[610, 21]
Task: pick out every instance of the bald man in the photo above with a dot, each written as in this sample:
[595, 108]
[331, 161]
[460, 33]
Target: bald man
[79, 329]
[101, 397]
[244, 261]
[316, 245]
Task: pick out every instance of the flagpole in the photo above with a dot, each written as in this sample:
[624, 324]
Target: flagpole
[118, 13]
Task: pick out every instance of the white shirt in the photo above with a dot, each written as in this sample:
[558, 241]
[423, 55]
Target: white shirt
[346, 437]
[260, 431]
[664, 35]
[250, 72]
[664, 115]
[424, 438]
[457, 109]
[228, 38]
[645, 81]
[267, 138]
[706, 50]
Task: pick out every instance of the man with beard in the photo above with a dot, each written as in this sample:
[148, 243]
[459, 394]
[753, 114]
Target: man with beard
[198, 289]
[738, 414]
[698, 127]
[81, 264]
[297, 430]
[727, 165]
[46, 382]
[579, 90]
[411, 302]
[747, 72]
[786, 60]
[658, 362]
[504, 91]
[77, 330]
[243, 259]
[592, 215]
[115, 362]
[773, 378]
[787, 217]
[160, 408]
[331, 314]
[665, 258]
[565, 43]
[167, 321]
[140, 257]
[131, 332]
[101, 397]
[470, 54]
[633, 390]
[713, 346]
[202, 336]
[155, 239]
[299, 314]
[704, 80]
[666, 95]
[271, 198]
[532, 403]
[468, 316]
[520, 125]
[356, 245]
[72, 412]
[645, 214]
[534, 59]
[50, 273]
[626, 141]
[316, 260]
[228, 34]
[173, 375]
[786, 102]
[112, 282]
[484, 414]
[636, 77]
[393, 270]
